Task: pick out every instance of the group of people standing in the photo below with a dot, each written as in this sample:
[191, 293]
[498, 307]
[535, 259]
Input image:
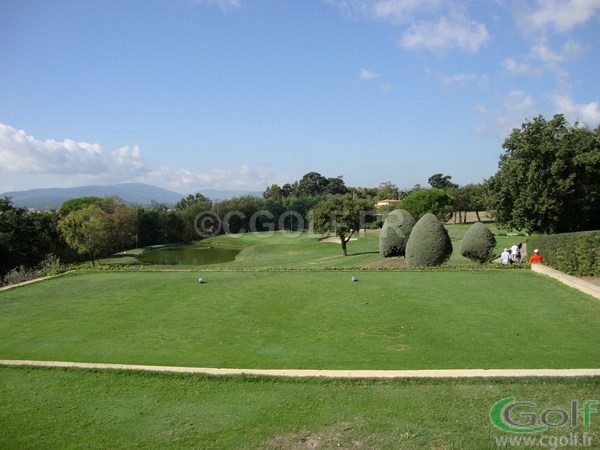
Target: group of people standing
[513, 255]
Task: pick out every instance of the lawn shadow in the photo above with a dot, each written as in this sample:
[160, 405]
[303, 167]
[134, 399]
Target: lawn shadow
[362, 253]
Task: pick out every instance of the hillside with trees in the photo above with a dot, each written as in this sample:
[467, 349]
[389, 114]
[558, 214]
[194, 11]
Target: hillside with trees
[548, 181]
[90, 227]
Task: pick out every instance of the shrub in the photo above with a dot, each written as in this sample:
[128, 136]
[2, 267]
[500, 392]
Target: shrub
[50, 265]
[19, 275]
[429, 243]
[478, 243]
[577, 254]
[395, 232]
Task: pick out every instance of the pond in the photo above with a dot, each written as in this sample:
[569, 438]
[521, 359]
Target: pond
[189, 255]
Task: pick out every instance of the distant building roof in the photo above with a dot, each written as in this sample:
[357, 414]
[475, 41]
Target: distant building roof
[387, 202]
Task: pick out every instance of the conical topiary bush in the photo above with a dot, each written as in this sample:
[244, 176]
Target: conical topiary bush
[395, 232]
[429, 243]
[478, 243]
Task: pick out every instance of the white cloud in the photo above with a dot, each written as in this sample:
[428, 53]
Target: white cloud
[569, 51]
[71, 163]
[424, 28]
[518, 101]
[184, 180]
[393, 11]
[366, 74]
[513, 66]
[517, 106]
[402, 11]
[22, 153]
[480, 108]
[463, 34]
[588, 113]
[457, 78]
[520, 106]
[128, 157]
[561, 15]
[543, 52]
[225, 5]
[542, 58]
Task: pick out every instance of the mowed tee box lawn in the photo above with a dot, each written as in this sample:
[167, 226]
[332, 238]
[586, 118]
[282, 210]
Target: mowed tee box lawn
[304, 320]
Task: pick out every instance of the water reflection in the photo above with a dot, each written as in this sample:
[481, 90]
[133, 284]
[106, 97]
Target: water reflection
[189, 255]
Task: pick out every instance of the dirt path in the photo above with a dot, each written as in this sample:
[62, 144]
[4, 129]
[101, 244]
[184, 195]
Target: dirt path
[457, 373]
[593, 280]
[334, 240]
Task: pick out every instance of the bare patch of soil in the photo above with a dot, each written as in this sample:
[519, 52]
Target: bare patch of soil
[334, 240]
[398, 348]
[303, 440]
[340, 436]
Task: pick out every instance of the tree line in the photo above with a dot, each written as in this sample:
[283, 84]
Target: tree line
[87, 228]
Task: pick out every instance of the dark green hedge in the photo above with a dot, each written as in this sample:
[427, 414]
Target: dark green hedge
[478, 243]
[428, 243]
[395, 232]
[573, 253]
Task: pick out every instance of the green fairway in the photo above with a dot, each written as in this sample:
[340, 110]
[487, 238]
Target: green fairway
[309, 320]
[289, 303]
[306, 250]
[57, 408]
[297, 250]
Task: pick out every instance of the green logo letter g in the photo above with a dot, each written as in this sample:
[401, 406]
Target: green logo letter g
[500, 417]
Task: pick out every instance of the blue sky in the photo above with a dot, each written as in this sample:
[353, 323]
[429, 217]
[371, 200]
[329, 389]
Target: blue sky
[239, 94]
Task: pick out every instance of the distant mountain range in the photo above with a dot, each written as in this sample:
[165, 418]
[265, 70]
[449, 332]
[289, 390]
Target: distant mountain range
[142, 194]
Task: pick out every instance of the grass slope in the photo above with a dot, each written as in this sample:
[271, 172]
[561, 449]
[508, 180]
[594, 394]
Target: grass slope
[298, 250]
[401, 319]
[311, 320]
[55, 408]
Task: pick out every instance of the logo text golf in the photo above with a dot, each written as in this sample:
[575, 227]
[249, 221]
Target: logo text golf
[524, 417]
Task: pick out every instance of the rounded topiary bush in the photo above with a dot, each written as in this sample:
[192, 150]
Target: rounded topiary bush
[429, 243]
[395, 232]
[478, 243]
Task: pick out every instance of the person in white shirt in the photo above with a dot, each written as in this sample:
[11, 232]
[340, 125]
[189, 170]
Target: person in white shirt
[505, 256]
[515, 253]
